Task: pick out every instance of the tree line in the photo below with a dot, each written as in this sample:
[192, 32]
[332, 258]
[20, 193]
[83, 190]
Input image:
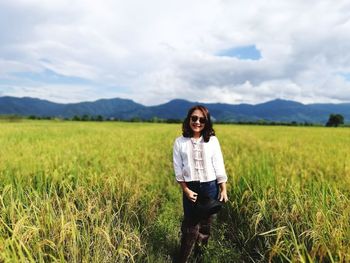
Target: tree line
[334, 120]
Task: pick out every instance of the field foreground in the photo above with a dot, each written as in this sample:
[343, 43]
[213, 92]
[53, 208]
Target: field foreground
[105, 192]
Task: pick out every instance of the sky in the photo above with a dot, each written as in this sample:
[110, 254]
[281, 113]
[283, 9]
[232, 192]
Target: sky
[227, 51]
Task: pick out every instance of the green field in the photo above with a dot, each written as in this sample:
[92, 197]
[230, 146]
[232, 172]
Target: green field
[105, 192]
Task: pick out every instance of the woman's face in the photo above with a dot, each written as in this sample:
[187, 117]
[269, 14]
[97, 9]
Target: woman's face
[197, 121]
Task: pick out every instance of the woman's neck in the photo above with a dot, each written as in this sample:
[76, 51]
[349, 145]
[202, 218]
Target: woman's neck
[196, 135]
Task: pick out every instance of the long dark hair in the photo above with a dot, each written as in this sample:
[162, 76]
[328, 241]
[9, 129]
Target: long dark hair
[208, 127]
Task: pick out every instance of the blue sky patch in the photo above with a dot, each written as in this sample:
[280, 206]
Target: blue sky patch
[49, 76]
[243, 52]
[345, 75]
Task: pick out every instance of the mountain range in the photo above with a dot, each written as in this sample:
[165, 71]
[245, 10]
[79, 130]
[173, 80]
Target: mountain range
[124, 109]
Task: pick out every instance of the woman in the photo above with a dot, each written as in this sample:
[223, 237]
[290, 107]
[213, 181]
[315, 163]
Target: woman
[199, 169]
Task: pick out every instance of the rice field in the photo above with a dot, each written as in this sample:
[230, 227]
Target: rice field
[105, 192]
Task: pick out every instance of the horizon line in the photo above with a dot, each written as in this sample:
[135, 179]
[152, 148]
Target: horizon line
[192, 102]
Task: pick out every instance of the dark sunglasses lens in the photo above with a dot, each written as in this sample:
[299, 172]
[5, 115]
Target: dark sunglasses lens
[195, 118]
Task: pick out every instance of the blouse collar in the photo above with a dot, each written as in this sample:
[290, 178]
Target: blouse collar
[200, 139]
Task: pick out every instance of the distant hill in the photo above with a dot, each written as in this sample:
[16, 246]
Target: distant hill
[276, 110]
[108, 108]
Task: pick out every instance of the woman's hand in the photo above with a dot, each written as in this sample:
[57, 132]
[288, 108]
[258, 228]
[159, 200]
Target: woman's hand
[223, 193]
[223, 196]
[192, 196]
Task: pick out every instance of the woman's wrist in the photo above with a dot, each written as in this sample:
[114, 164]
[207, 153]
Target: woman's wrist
[184, 187]
[186, 190]
[222, 187]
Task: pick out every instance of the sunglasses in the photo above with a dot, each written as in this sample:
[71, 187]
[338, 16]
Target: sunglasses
[195, 118]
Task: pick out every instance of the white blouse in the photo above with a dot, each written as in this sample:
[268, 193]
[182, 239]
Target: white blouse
[203, 162]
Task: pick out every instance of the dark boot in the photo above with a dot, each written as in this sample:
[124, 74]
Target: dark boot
[189, 236]
[204, 230]
[202, 239]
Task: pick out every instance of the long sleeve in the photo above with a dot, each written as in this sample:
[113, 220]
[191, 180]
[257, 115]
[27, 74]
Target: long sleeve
[178, 163]
[218, 162]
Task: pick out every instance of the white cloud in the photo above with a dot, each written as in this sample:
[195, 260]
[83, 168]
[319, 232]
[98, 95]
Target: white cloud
[161, 50]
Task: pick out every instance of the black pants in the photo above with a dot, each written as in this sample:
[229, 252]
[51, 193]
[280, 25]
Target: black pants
[196, 230]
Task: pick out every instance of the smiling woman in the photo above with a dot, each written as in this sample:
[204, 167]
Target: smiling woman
[200, 171]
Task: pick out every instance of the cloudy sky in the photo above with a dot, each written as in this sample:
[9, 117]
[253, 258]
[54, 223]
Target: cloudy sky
[229, 51]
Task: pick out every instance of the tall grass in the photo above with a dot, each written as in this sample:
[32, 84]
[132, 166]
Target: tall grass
[105, 192]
